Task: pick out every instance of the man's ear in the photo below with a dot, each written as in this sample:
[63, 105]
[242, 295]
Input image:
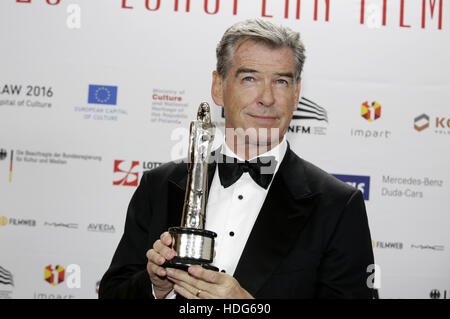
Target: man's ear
[217, 89]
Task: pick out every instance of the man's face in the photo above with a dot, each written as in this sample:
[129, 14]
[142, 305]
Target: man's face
[259, 91]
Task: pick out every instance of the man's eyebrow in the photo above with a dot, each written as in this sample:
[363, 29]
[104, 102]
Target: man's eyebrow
[248, 70]
[286, 74]
[245, 70]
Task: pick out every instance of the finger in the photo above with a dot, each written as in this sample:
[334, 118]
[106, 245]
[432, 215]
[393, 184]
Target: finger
[166, 238]
[155, 257]
[183, 276]
[163, 250]
[192, 291]
[201, 294]
[184, 285]
[206, 275]
[159, 271]
[184, 292]
[154, 261]
[206, 295]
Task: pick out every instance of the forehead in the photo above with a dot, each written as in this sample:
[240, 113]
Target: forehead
[262, 57]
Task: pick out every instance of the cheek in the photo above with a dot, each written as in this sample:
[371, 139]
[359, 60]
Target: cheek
[239, 100]
[244, 94]
[290, 102]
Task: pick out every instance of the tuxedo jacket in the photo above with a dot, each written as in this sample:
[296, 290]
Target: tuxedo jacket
[311, 238]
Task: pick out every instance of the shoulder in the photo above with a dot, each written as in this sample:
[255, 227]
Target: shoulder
[320, 179]
[321, 182]
[334, 200]
[168, 171]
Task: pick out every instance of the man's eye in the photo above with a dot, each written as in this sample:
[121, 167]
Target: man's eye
[282, 82]
[248, 79]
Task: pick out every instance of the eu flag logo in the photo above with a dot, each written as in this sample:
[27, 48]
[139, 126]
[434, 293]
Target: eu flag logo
[102, 94]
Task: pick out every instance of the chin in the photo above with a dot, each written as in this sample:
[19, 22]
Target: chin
[265, 139]
[255, 135]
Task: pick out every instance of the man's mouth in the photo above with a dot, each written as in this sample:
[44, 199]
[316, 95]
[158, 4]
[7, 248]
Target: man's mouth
[263, 118]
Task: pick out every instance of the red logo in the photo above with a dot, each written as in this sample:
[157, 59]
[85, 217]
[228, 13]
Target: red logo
[127, 176]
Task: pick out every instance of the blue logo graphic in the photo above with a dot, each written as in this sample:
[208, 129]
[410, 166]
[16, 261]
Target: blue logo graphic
[102, 94]
[359, 182]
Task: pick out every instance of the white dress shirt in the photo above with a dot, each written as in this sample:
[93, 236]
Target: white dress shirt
[231, 212]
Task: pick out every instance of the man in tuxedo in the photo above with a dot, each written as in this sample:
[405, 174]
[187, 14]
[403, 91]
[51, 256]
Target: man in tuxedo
[293, 232]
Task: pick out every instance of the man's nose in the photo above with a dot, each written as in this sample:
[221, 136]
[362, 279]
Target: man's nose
[266, 97]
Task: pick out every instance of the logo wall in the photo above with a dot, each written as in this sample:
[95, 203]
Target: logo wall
[102, 94]
[17, 221]
[309, 111]
[169, 106]
[30, 96]
[100, 99]
[6, 277]
[440, 124]
[429, 15]
[401, 245]
[371, 112]
[54, 276]
[6, 283]
[126, 173]
[361, 183]
[421, 122]
[98, 102]
[3, 156]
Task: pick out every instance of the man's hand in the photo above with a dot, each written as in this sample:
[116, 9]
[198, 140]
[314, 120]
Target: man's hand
[200, 283]
[156, 257]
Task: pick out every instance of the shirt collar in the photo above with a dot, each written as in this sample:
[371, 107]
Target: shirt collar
[278, 152]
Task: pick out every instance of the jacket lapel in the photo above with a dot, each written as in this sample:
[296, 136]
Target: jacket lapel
[282, 216]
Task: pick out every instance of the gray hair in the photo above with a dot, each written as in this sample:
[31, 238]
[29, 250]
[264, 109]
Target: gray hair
[260, 31]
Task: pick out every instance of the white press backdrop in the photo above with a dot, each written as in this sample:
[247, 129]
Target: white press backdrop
[70, 159]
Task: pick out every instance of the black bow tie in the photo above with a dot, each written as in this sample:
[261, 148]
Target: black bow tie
[260, 169]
